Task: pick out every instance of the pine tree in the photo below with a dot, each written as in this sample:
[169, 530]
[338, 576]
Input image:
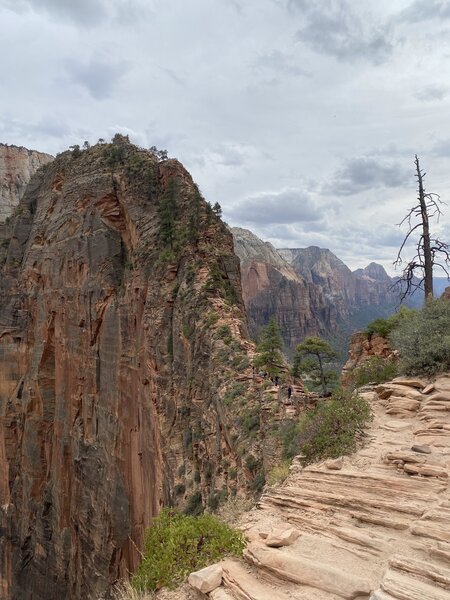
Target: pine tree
[310, 358]
[268, 349]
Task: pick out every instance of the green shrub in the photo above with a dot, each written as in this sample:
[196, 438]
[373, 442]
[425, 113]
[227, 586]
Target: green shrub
[375, 369]
[250, 420]
[194, 504]
[328, 431]
[258, 482]
[423, 340]
[384, 327]
[188, 330]
[176, 545]
[224, 333]
[379, 326]
[211, 319]
[278, 473]
[179, 489]
[237, 390]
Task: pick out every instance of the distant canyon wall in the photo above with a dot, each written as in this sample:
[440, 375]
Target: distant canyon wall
[309, 291]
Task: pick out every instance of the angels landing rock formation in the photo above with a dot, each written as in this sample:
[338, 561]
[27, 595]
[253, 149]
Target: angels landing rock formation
[121, 321]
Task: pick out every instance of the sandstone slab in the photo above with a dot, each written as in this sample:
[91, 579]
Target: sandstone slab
[206, 579]
[282, 536]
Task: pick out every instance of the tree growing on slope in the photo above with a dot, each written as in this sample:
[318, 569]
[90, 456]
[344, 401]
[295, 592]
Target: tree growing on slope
[430, 251]
[310, 358]
[268, 349]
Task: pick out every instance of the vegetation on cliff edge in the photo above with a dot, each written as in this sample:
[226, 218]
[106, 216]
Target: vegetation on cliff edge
[330, 430]
[176, 545]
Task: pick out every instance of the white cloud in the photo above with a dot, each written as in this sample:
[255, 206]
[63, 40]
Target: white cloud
[268, 105]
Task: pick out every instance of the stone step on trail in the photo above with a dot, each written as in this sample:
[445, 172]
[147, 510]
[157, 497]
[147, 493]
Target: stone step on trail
[297, 569]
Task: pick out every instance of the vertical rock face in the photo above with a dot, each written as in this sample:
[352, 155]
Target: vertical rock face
[274, 288]
[17, 166]
[117, 280]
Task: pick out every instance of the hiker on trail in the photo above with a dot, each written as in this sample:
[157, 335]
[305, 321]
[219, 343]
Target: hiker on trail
[289, 392]
[276, 380]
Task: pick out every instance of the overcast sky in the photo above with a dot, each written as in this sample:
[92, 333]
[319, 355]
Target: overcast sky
[300, 117]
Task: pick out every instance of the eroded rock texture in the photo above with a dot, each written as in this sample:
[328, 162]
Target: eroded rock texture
[118, 283]
[273, 288]
[17, 166]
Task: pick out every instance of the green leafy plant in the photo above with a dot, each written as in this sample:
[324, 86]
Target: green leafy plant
[311, 357]
[423, 339]
[330, 430]
[176, 545]
[384, 327]
[375, 369]
[268, 355]
[278, 473]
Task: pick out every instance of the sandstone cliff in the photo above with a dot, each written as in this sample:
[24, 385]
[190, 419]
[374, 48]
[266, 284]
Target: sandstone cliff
[17, 165]
[123, 372]
[272, 287]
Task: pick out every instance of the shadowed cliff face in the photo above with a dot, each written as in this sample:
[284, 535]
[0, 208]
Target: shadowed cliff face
[111, 370]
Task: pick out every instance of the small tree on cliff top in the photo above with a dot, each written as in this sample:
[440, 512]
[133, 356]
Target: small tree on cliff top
[430, 251]
[311, 357]
[268, 349]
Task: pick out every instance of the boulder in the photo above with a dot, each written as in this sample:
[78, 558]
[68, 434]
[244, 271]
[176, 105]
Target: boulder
[281, 536]
[335, 464]
[207, 579]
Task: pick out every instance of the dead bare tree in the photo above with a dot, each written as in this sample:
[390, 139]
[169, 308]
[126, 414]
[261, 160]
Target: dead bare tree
[430, 252]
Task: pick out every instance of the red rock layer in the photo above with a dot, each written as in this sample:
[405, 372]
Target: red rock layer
[109, 382]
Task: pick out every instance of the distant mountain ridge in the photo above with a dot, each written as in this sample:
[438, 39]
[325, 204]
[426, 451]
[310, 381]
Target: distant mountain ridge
[310, 291]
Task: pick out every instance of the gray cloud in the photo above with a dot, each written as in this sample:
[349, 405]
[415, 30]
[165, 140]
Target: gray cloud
[280, 63]
[432, 92]
[98, 76]
[285, 207]
[225, 91]
[359, 174]
[83, 12]
[332, 28]
[48, 126]
[441, 148]
[423, 11]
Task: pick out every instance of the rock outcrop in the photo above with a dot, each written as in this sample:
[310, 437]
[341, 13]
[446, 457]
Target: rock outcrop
[122, 333]
[17, 166]
[363, 347]
[375, 528]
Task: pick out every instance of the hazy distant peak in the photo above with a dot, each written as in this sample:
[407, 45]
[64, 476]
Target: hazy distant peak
[373, 271]
[249, 246]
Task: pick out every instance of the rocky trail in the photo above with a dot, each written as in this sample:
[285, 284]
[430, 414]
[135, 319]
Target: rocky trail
[374, 525]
